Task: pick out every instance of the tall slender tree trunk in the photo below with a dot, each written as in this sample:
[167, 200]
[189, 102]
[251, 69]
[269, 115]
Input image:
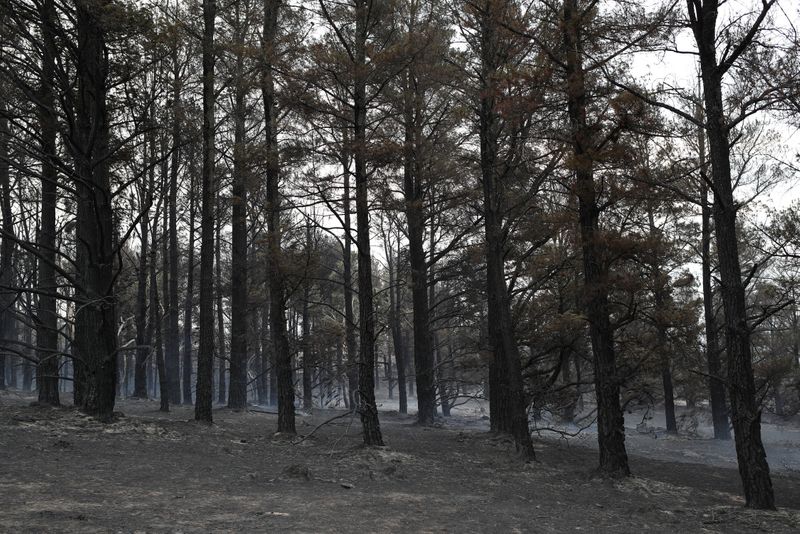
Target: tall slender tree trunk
[95, 339]
[189, 303]
[275, 270]
[795, 336]
[610, 419]
[237, 397]
[171, 362]
[347, 274]
[367, 407]
[155, 319]
[172, 330]
[438, 366]
[397, 330]
[27, 338]
[510, 413]
[414, 203]
[666, 381]
[308, 378]
[745, 411]
[152, 378]
[387, 366]
[47, 356]
[660, 300]
[268, 356]
[256, 341]
[716, 383]
[205, 353]
[222, 357]
[308, 384]
[7, 294]
[142, 341]
[564, 357]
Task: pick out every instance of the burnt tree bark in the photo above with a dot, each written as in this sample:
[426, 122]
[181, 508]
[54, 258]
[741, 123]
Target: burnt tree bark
[95, 339]
[205, 352]
[277, 289]
[142, 350]
[255, 336]
[155, 320]
[610, 420]
[268, 356]
[47, 358]
[237, 396]
[716, 383]
[347, 275]
[222, 357]
[365, 402]
[415, 217]
[188, 311]
[142, 341]
[172, 381]
[745, 411]
[661, 298]
[7, 294]
[172, 331]
[8, 329]
[395, 325]
[27, 338]
[506, 390]
[308, 384]
[438, 366]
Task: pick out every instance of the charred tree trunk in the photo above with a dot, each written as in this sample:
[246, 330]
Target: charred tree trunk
[47, 356]
[347, 274]
[222, 357]
[7, 294]
[155, 319]
[414, 203]
[172, 337]
[387, 366]
[716, 383]
[277, 289]
[564, 356]
[308, 383]
[660, 299]
[666, 381]
[745, 411]
[610, 419]
[95, 317]
[438, 366]
[237, 397]
[308, 393]
[189, 303]
[267, 359]
[400, 360]
[796, 336]
[397, 331]
[142, 305]
[171, 375]
[568, 413]
[366, 315]
[506, 369]
[256, 336]
[669, 398]
[27, 338]
[205, 353]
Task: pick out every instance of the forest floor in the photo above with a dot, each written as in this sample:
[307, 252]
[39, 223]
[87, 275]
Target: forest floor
[61, 471]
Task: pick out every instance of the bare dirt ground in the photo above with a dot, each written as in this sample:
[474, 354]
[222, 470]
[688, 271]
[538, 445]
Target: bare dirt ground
[61, 471]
